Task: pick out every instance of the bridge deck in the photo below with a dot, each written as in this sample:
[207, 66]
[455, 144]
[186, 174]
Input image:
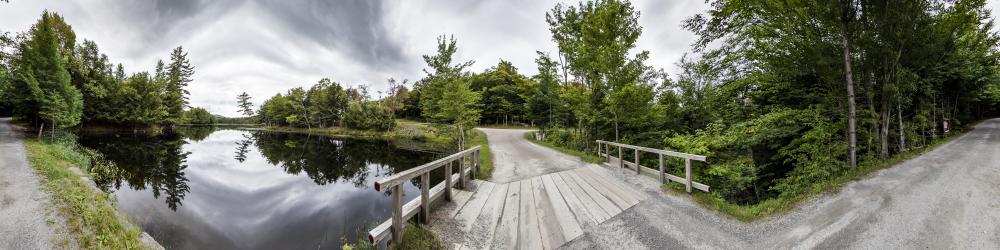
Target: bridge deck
[542, 212]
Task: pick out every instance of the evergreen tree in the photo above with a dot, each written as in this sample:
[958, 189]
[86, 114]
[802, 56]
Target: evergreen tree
[246, 107]
[178, 74]
[42, 86]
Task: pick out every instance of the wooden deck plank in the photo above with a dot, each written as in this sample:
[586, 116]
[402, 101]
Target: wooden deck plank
[528, 236]
[600, 171]
[471, 210]
[548, 225]
[505, 236]
[569, 227]
[484, 228]
[610, 185]
[598, 185]
[599, 198]
[575, 203]
[459, 197]
[589, 203]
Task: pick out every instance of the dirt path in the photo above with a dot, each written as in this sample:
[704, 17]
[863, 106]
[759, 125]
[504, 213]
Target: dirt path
[947, 198]
[26, 222]
[516, 158]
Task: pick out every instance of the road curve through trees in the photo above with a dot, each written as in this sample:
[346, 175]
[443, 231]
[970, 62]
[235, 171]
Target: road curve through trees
[947, 198]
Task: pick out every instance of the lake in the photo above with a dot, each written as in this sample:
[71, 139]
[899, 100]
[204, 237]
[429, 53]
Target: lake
[203, 188]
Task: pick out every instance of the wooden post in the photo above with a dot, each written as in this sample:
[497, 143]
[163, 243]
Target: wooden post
[687, 174]
[637, 161]
[397, 214]
[475, 163]
[621, 161]
[663, 176]
[461, 172]
[447, 182]
[607, 151]
[425, 197]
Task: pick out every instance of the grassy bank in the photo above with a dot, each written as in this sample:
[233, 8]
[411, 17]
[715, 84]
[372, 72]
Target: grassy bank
[415, 236]
[89, 213]
[485, 155]
[588, 157]
[785, 203]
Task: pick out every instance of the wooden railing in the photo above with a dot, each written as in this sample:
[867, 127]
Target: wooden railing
[604, 149]
[403, 212]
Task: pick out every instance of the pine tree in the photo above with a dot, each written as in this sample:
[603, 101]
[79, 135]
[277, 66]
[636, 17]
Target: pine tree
[178, 75]
[246, 107]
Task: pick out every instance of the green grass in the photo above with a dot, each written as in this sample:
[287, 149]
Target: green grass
[89, 213]
[787, 202]
[415, 236]
[587, 157]
[485, 155]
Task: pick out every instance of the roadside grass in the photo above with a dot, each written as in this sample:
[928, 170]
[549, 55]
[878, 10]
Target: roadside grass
[90, 214]
[587, 157]
[788, 202]
[415, 236]
[485, 155]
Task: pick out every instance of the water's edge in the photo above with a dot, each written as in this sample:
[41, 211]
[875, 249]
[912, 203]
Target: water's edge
[147, 241]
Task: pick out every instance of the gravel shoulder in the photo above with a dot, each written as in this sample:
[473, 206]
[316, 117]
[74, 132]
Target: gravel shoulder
[944, 199]
[28, 222]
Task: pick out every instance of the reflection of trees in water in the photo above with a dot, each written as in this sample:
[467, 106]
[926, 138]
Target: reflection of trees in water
[142, 162]
[158, 162]
[327, 160]
[195, 133]
[243, 147]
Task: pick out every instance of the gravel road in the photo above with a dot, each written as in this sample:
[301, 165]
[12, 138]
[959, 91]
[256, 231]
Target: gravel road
[516, 158]
[26, 220]
[945, 199]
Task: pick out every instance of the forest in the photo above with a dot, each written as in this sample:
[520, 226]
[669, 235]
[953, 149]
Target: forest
[47, 78]
[779, 95]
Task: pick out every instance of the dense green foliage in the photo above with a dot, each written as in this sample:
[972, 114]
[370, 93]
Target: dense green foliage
[763, 93]
[46, 77]
[770, 101]
[197, 116]
[327, 104]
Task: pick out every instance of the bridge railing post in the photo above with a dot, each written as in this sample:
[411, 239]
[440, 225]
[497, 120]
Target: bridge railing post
[663, 176]
[475, 163]
[425, 197]
[687, 174]
[621, 161]
[397, 214]
[461, 173]
[447, 182]
[637, 167]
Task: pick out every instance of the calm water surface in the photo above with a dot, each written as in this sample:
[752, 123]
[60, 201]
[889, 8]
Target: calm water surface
[226, 189]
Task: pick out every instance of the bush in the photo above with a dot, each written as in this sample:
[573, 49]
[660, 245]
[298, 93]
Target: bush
[368, 116]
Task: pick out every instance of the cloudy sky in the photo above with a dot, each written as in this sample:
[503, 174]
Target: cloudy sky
[267, 46]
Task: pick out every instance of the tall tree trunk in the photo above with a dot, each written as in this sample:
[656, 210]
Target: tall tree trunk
[902, 129]
[870, 94]
[933, 117]
[884, 133]
[852, 139]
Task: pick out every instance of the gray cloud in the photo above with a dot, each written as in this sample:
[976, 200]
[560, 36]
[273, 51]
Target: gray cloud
[354, 27]
[267, 46]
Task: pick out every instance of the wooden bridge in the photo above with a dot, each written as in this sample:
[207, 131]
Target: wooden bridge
[540, 212]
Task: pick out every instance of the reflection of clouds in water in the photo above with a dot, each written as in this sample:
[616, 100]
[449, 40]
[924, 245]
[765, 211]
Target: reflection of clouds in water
[255, 204]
